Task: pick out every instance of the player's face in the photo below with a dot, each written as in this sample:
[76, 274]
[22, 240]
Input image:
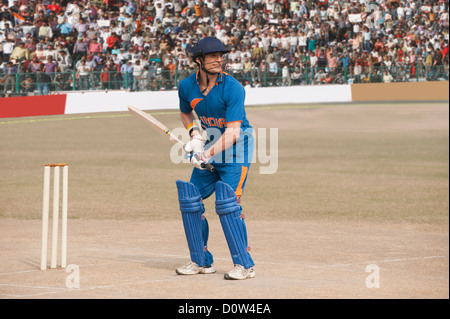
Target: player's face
[213, 62]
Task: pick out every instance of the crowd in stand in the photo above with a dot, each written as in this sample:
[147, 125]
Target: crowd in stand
[145, 45]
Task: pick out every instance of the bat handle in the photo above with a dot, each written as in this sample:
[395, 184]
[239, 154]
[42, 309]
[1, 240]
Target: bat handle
[209, 167]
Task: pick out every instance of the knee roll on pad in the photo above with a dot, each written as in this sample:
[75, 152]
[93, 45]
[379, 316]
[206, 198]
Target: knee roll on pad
[192, 209]
[189, 197]
[233, 225]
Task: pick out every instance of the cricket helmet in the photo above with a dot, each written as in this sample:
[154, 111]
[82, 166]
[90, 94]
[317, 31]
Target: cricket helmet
[208, 45]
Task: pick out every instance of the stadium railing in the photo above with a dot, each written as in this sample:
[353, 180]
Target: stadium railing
[48, 83]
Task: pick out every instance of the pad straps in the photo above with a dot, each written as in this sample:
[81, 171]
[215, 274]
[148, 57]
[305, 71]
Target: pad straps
[233, 225]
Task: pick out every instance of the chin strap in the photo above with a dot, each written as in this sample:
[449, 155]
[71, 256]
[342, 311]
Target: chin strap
[202, 67]
[207, 85]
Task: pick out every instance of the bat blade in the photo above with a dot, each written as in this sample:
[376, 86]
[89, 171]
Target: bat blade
[151, 120]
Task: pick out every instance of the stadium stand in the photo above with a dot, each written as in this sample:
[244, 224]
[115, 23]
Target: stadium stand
[140, 45]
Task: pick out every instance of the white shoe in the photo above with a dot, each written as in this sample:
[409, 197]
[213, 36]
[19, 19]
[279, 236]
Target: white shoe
[193, 269]
[240, 273]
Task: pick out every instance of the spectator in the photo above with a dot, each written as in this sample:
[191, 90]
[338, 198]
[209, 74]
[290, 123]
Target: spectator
[387, 77]
[296, 77]
[237, 68]
[43, 83]
[40, 7]
[328, 78]
[50, 68]
[332, 62]
[53, 7]
[322, 59]
[63, 82]
[154, 85]
[357, 71]
[182, 73]
[5, 23]
[95, 47]
[65, 28]
[82, 27]
[367, 37]
[8, 48]
[112, 40]
[375, 76]
[126, 39]
[50, 52]
[80, 49]
[171, 67]
[273, 72]
[138, 68]
[247, 70]
[64, 61]
[45, 31]
[9, 84]
[127, 75]
[35, 65]
[105, 78]
[115, 75]
[314, 61]
[82, 75]
[312, 43]
[319, 77]
[20, 53]
[28, 84]
[286, 76]
[407, 37]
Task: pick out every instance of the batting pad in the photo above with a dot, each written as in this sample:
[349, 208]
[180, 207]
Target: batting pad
[195, 228]
[233, 224]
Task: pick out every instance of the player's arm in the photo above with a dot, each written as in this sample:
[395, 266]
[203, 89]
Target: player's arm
[188, 121]
[195, 145]
[228, 138]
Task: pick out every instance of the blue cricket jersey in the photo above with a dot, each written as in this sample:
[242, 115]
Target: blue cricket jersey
[223, 104]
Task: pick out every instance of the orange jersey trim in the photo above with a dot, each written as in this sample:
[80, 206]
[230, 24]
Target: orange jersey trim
[226, 123]
[238, 191]
[194, 103]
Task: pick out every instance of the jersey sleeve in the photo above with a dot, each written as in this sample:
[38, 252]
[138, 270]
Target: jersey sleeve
[185, 107]
[235, 99]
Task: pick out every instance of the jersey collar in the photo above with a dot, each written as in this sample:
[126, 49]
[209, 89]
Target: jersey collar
[219, 77]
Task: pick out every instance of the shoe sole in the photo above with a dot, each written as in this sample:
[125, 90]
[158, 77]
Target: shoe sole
[208, 270]
[204, 271]
[249, 276]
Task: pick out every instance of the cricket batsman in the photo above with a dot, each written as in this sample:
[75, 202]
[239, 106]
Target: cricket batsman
[218, 100]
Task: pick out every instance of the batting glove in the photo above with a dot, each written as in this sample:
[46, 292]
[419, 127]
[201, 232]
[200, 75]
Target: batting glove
[199, 160]
[195, 145]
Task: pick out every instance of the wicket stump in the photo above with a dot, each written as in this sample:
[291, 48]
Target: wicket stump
[55, 217]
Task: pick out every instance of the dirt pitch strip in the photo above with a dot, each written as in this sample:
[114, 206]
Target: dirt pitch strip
[358, 207]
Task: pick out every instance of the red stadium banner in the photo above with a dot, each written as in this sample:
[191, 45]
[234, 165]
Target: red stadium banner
[32, 105]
